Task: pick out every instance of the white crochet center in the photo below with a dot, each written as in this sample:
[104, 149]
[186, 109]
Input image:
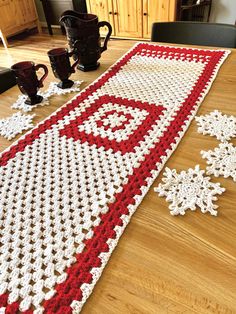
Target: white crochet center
[52, 193]
[114, 120]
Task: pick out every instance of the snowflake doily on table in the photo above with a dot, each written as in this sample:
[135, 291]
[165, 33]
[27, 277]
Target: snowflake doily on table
[17, 123]
[189, 189]
[52, 90]
[21, 105]
[222, 160]
[217, 124]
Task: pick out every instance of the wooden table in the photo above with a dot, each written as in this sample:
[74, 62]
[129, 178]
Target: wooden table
[163, 264]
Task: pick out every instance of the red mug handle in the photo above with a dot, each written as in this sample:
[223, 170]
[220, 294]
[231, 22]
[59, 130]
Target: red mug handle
[37, 67]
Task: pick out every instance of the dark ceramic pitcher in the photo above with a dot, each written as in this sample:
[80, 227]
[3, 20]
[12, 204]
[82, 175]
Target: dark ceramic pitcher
[82, 32]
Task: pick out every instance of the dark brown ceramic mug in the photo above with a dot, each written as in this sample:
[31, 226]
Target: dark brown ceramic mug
[61, 67]
[27, 80]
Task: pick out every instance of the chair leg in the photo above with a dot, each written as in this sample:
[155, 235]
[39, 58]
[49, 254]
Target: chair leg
[50, 29]
[4, 40]
[47, 16]
[209, 12]
[39, 27]
[63, 31]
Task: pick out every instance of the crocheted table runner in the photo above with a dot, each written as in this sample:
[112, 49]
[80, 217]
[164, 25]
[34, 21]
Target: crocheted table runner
[69, 187]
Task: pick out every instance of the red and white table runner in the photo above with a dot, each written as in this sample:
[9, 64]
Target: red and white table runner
[69, 187]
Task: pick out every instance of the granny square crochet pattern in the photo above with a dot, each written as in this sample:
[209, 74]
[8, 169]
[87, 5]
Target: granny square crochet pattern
[69, 187]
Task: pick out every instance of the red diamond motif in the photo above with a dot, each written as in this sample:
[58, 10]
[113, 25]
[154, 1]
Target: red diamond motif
[152, 114]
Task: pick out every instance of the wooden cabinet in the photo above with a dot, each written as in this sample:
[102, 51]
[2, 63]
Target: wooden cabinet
[16, 16]
[104, 10]
[157, 11]
[127, 18]
[133, 18]
[7, 8]
[28, 11]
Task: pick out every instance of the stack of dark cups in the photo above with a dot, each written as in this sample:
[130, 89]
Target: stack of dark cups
[85, 43]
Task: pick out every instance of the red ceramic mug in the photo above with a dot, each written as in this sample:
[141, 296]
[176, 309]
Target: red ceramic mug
[27, 80]
[61, 67]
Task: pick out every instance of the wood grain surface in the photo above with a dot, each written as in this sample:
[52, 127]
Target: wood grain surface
[162, 264]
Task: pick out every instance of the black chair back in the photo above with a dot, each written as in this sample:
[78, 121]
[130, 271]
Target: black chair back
[195, 33]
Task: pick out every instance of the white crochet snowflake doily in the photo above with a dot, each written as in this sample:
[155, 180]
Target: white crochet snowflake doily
[15, 124]
[217, 124]
[189, 189]
[222, 160]
[52, 90]
[21, 105]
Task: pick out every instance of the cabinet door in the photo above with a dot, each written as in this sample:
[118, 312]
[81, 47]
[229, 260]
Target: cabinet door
[28, 11]
[157, 11]
[128, 18]
[8, 15]
[104, 10]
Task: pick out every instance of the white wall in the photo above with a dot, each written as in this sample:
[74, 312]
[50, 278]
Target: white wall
[223, 11]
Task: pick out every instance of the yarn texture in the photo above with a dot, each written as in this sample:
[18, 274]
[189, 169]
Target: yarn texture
[69, 187]
[15, 124]
[222, 126]
[188, 190]
[221, 160]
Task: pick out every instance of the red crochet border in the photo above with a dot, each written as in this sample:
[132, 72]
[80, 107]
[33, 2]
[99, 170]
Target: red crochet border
[79, 273]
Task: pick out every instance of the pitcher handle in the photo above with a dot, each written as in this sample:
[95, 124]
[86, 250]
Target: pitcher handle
[101, 24]
[70, 53]
[37, 67]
